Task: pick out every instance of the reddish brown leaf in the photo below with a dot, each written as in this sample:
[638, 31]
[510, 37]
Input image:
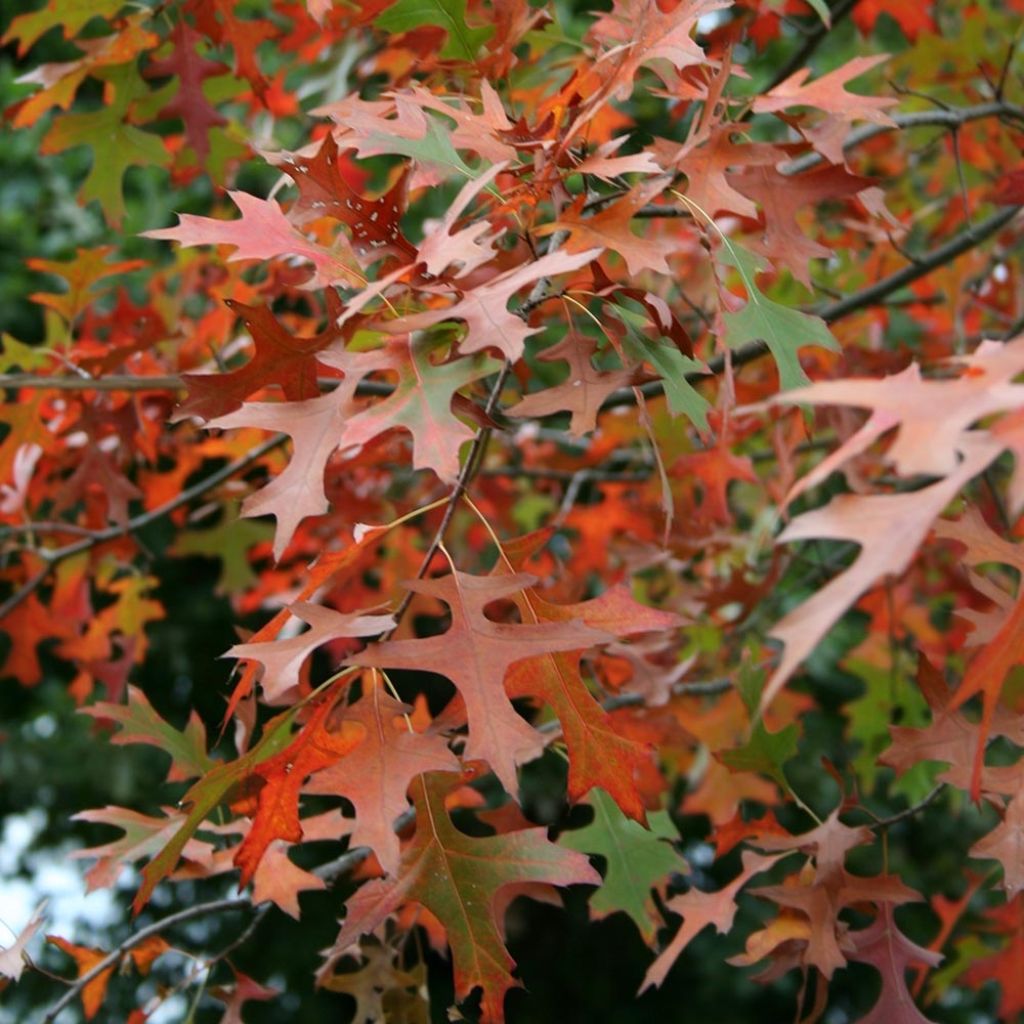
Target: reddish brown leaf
[475, 654]
[323, 740]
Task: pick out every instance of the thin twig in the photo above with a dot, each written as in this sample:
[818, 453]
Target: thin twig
[55, 556]
[910, 811]
[128, 382]
[136, 938]
[811, 42]
[465, 477]
[916, 119]
[329, 872]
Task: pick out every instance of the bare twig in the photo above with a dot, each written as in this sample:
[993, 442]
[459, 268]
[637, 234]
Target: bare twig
[910, 811]
[465, 477]
[137, 938]
[127, 382]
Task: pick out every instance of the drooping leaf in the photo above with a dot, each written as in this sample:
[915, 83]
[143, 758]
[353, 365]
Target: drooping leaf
[322, 741]
[782, 329]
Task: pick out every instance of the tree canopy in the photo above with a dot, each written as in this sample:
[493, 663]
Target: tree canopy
[512, 510]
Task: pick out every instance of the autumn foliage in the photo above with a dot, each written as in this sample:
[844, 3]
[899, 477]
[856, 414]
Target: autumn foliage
[600, 397]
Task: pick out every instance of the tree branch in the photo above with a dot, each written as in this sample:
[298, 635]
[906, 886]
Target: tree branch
[127, 382]
[951, 119]
[813, 40]
[53, 557]
[833, 311]
[136, 938]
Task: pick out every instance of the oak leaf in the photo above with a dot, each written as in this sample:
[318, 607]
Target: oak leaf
[611, 228]
[376, 775]
[888, 527]
[324, 191]
[699, 909]
[828, 93]
[282, 659]
[12, 957]
[637, 859]
[326, 738]
[476, 654]
[599, 755]
[190, 103]
[459, 879]
[891, 953]
[279, 358]
[263, 233]
[583, 391]
[484, 308]
[86, 958]
[636, 32]
[932, 416]
[139, 722]
[1005, 843]
[780, 196]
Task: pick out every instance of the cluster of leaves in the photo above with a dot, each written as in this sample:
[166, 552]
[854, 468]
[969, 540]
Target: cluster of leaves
[567, 307]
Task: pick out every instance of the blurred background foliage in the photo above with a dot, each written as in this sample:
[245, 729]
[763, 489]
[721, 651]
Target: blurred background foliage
[575, 972]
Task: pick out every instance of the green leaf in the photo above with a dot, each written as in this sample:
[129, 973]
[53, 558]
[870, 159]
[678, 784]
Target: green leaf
[785, 331]
[458, 877]
[765, 753]
[435, 149]
[886, 701]
[140, 723]
[674, 368]
[821, 8]
[71, 15]
[230, 541]
[207, 794]
[463, 42]
[637, 859]
[116, 145]
[16, 354]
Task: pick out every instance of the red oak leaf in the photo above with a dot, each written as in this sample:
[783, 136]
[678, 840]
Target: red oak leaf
[780, 196]
[611, 228]
[598, 754]
[279, 358]
[636, 32]
[891, 953]
[484, 308]
[699, 909]
[583, 391]
[263, 233]
[323, 740]
[324, 191]
[282, 659]
[829, 94]
[889, 528]
[475, 654]
[377, 774]
[190, 104]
